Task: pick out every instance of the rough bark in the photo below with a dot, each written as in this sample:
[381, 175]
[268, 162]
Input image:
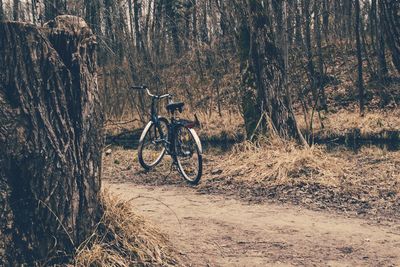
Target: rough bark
[263, 91]
[50, 140]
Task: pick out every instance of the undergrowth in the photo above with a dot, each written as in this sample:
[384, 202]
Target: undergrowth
[124, 238]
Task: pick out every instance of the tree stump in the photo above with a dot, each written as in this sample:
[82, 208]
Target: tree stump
[50, 140]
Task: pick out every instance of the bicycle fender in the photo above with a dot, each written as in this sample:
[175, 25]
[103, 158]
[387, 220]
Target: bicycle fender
[196, 139]
[145, 131]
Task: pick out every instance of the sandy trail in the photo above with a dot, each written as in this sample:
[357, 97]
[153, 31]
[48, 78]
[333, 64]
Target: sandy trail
[215, 231]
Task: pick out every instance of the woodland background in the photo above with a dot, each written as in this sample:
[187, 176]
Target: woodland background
[327, 56]
[324, 73]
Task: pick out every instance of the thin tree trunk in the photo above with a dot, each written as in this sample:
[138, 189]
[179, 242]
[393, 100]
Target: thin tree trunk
[320, 75]
[325, 19]
[16, 10]
[349, 19]
[194, 22]
[203, 25]
[187, 16]
[54, 8]
[310, 63]
[380, 37]
[373, 25]
[138, 35]
[92, 14]
[50, 141]
[359, 58]
[33, 9]
[338, 19]
[391, 18]
[171, 12]
[131, 19]
[1, 11]
[299, 36]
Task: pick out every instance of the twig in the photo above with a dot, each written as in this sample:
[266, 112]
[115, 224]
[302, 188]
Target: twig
[59, 221]
[111, 122]
[152, 198]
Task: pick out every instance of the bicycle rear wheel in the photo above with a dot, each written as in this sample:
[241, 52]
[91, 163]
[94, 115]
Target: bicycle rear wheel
[152, 144]
[188, 154]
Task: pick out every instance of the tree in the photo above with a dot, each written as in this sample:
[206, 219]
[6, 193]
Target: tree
[50, 140]
[381, 47]
[320, 63]
[359, 58]
[265, 102]
[53, 8]
[172, 13]
[1, 10]
[16, 10]
[93, 15]
[391, 18]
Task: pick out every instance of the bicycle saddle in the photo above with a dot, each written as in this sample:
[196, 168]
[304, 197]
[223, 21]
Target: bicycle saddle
[172, 107]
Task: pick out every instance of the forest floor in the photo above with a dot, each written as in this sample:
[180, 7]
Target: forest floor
[275, 205]
[216, 231]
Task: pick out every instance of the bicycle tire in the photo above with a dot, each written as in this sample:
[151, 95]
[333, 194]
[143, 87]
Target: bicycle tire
[179, 154]
[142, 142]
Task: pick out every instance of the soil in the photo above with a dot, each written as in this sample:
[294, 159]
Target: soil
[224, 223]
[212, 230]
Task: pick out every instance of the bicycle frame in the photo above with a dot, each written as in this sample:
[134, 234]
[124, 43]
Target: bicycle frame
[172, 124]
[155, 119]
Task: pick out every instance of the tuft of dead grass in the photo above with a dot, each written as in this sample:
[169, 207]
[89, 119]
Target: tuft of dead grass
[124, 238]
[278, 162]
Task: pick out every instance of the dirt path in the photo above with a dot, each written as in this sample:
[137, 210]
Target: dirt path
[213, 231]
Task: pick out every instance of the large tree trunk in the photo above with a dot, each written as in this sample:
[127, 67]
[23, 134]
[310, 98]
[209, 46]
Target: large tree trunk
[50, 140]
[263, 91]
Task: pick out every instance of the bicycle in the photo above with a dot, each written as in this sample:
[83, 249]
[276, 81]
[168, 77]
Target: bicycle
[175, 137]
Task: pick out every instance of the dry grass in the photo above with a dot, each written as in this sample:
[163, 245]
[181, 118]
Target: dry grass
[279, 162]
[372, 174]
[228, 125]
[373, 124]
[124, 238]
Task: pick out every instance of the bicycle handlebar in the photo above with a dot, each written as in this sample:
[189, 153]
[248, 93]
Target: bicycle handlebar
[144, 87]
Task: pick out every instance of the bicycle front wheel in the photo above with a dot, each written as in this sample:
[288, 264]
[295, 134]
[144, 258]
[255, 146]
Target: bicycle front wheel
[152, 144]
[188, 154]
